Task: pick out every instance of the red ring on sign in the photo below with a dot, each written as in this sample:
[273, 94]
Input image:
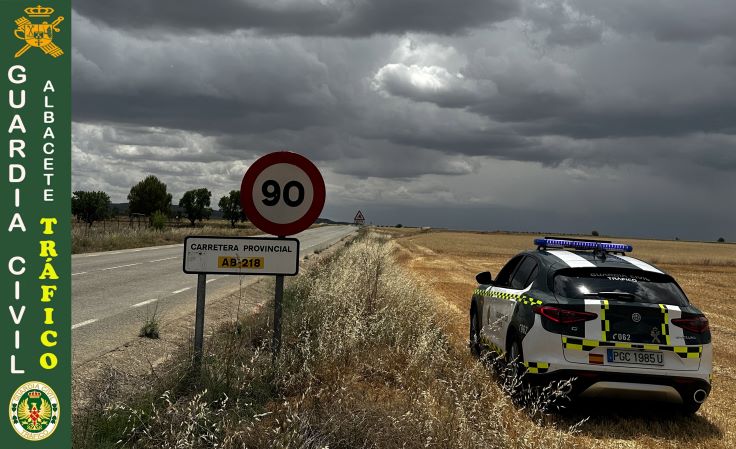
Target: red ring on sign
[266, 225]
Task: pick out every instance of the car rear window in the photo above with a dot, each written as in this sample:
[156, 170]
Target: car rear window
[641, 286]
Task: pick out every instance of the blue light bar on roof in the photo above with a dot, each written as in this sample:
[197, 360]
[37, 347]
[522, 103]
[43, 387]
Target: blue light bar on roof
[582, 244]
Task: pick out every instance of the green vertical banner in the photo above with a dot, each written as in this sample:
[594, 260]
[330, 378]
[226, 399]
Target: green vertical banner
[35, 261]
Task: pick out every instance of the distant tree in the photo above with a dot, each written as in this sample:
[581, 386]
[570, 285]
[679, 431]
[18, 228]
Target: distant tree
[677, 239]
[196, 204]
[595, 234]
[230, 207]
[149, 196]
[399, 225]
[721, 240]
[90, 206]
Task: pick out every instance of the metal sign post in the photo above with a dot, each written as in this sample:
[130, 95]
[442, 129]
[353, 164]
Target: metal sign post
[278, 298]
[199, 321]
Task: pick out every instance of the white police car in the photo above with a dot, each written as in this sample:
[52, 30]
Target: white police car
[583, 309]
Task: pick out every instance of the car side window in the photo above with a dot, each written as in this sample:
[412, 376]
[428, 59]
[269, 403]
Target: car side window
[522, 277]
[504, 276]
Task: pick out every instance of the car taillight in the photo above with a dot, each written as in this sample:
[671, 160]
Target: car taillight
[563, 316]
[697, 324]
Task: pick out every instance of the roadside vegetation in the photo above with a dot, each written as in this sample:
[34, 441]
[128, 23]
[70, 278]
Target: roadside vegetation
[367, 362]
[151, 325]
[110, 236]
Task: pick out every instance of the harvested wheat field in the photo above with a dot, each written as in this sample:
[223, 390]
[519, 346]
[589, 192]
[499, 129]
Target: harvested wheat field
[446, 263]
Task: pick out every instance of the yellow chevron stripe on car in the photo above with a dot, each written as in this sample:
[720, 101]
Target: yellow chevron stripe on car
[522, 299]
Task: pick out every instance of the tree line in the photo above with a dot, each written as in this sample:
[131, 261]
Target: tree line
[150, 198]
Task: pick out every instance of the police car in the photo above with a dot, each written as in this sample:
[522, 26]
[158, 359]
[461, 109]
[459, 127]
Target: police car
[583, 309]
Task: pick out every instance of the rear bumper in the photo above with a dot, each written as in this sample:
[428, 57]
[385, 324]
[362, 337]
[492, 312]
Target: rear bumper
[625, 385]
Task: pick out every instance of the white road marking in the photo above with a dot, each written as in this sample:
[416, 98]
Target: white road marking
[84, 323]
[180, 290]
[148, 248]
[213, 279]
[121, 266]
[81, 272]
[143, 303]
[166, 258]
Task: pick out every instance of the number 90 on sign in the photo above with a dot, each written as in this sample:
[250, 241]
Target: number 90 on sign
[236, 262]
[272, 193]
[283, 193]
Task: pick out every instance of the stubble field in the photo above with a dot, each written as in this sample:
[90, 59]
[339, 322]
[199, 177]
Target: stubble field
[446, 263]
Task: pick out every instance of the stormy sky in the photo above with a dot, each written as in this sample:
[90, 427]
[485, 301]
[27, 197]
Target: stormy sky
[548, 116]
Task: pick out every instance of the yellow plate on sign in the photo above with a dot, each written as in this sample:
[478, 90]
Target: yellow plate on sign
[255, 263]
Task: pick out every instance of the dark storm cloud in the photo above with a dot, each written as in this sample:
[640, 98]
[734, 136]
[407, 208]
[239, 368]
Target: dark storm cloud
[236, 84]
[571, 99]
[303, 17]
[561, 23]
[606, 91]
[666, 20]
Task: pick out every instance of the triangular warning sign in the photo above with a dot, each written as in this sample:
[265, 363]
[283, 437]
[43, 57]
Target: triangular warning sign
[359, 216]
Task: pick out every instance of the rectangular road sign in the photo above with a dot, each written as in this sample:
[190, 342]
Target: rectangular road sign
[241, 255]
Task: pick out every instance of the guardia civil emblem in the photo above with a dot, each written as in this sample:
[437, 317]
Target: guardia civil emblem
[34, 411]
[39, 35]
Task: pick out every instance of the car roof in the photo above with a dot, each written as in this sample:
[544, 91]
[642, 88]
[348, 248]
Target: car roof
[557, 259]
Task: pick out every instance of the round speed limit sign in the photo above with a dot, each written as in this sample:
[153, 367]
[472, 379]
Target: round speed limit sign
[282, 193]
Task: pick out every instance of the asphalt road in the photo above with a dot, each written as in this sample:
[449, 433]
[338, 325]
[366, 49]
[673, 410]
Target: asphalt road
[114, 292]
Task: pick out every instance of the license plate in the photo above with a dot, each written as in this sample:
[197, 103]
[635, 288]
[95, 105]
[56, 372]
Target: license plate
[652, 358]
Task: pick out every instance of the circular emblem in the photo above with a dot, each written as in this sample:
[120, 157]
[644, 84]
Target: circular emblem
[635, 317]
[34, 411]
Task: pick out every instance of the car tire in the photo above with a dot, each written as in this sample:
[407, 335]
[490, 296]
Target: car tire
[475, 347]
[515, 358]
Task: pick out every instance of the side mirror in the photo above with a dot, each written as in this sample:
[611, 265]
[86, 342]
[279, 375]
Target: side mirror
[484, 278]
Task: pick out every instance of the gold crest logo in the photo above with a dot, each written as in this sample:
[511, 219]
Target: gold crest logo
[39, 35]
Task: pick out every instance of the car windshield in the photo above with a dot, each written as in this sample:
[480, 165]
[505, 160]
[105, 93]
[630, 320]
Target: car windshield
[623, 285]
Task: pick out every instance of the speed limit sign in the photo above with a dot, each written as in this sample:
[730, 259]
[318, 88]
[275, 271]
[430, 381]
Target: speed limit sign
[282, 193]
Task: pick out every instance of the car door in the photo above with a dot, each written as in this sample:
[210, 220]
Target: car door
[506, 297]
[492, 306]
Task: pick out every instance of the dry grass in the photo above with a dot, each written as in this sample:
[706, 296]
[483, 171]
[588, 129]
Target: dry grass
[446, 263]
[368, 361]
[110, 237]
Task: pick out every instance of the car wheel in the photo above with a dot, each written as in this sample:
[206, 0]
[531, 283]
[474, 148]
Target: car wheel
[515, 359]
[474, 333]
